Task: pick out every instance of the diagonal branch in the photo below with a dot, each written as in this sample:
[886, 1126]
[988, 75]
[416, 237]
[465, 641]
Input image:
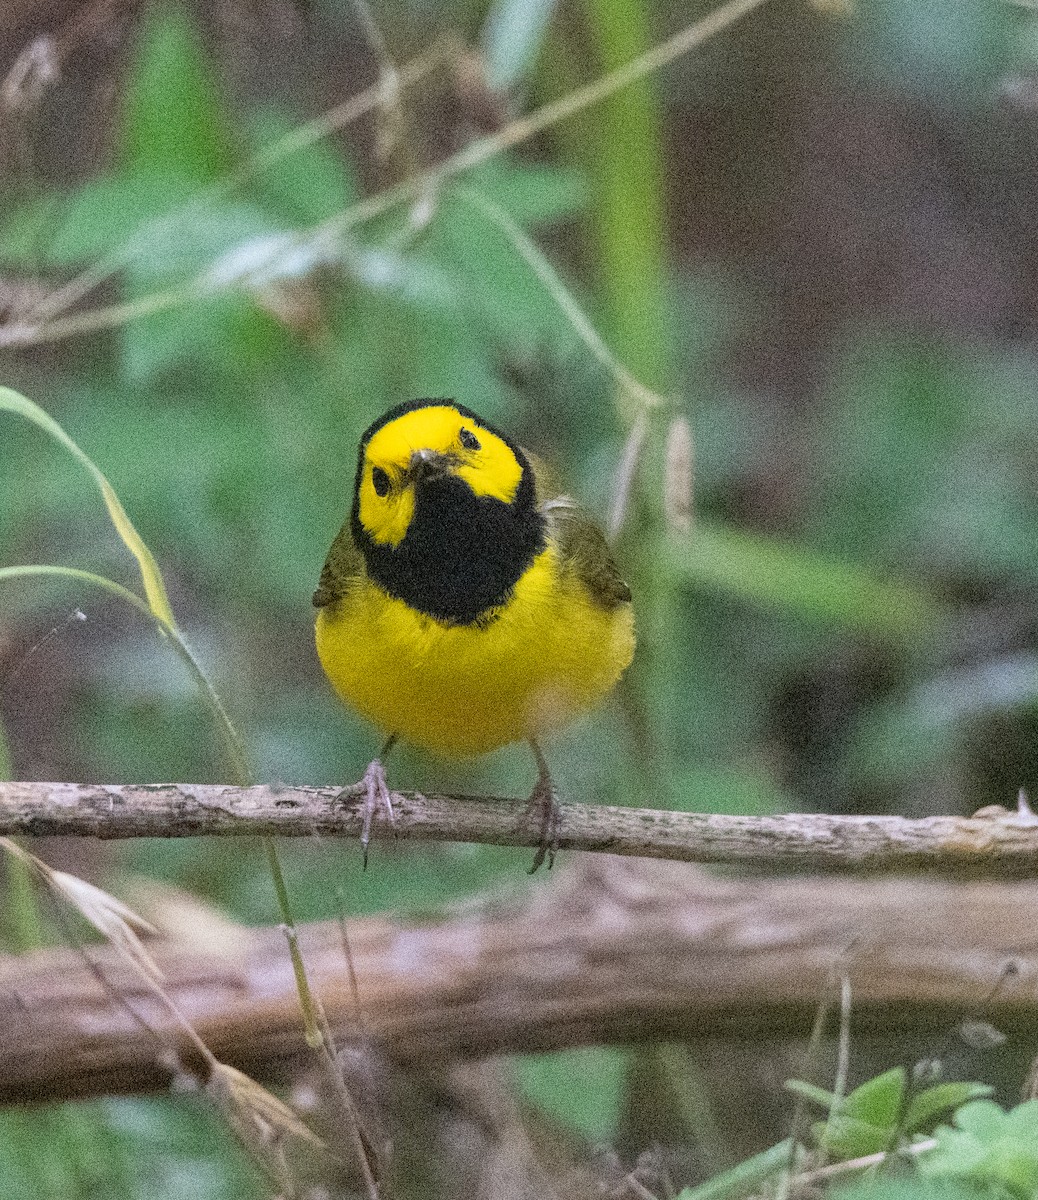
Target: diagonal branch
[1001, 845]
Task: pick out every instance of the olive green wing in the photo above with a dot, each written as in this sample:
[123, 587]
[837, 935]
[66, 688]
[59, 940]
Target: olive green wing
[584, 552]
[549, 484]
[343, 567]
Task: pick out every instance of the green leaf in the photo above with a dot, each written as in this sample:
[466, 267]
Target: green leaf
[920, 461]
[983, 1120]
[803, 582]
[581, 1088]
[811, 1093]
[227, 332]
[159, 221]
[879, 1100]
[136, 1149]
[530, 195]
[925, 1107]
[744, 1177]
[885, 1187]
[172, 119]
[494, 285]
[304, 186]
[847, 1137]
[989, 1146]
[866, 1121]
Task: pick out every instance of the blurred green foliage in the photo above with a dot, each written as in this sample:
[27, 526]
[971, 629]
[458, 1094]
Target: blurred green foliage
[850, 622]
[991, 1147]
[135, 1149]
[582, 1087]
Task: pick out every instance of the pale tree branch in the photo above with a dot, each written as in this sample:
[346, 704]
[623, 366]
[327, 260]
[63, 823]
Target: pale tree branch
[997, 844]
[607, 950]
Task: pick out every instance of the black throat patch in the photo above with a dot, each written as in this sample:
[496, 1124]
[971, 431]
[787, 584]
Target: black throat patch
[462, 554]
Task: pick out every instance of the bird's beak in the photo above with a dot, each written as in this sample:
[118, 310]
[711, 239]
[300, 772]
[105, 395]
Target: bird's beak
[427, 464]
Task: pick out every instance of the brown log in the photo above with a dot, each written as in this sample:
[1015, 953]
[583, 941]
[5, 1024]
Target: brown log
[605, 951]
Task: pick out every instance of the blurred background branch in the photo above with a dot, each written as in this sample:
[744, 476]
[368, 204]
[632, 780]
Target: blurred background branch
[610, 951]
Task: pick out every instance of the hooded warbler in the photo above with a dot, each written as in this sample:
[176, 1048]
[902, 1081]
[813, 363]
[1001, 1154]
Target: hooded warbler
[464, 604]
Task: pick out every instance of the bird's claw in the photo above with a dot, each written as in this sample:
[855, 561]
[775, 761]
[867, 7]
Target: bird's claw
[377, 797]
[544, 802]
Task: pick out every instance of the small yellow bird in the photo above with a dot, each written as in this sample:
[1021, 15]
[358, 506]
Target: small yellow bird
[462, 605]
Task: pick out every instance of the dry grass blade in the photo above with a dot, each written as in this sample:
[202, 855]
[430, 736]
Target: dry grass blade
[228, 734]
[35, 70]
[261, 1122]
[417, 186]
[625, 475]
[41, 319]
[644, 398]
[679, 464]
[158, 605]
[115, 921]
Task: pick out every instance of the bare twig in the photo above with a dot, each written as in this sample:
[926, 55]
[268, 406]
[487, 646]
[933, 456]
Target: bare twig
[643, 398]
[607, 951]
[40, 322]
[40, 328]
[996, 844]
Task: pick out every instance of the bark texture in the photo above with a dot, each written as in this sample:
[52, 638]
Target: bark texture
[605, 950]
[999, 844]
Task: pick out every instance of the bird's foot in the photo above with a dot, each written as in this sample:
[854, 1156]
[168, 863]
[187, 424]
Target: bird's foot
[377, 798]
[544, 803]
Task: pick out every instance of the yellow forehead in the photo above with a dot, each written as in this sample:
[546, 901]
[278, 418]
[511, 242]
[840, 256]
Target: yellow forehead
[492, 470]
[434, 428]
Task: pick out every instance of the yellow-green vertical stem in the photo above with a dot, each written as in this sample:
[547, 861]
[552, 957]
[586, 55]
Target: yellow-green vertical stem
[22, 927]
[627, 178]
[311, 1017]
[619, 147]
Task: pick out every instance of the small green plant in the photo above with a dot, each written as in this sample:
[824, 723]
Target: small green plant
[991, 1147]
[881, 1112]
[864, 1130]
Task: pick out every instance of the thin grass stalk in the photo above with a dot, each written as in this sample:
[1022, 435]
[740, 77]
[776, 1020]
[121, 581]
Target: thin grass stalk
[641, 397]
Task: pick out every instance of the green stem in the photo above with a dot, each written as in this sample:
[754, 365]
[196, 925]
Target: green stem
[233, 746]
[744, 1177]
[308, 1007]
[23, 929]
[229, 736]
[626, 168]
[24, 924]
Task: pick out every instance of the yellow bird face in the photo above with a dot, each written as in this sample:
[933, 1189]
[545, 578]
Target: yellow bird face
[423, 444]
[444, 510]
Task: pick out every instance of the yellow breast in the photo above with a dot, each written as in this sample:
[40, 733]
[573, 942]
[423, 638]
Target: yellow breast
[549, 654]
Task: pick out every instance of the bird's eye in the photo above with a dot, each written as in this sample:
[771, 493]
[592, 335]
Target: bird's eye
[379, 481]
[468, 439]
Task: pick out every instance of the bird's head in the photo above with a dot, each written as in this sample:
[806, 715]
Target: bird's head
[444, 510]
[438, 451]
